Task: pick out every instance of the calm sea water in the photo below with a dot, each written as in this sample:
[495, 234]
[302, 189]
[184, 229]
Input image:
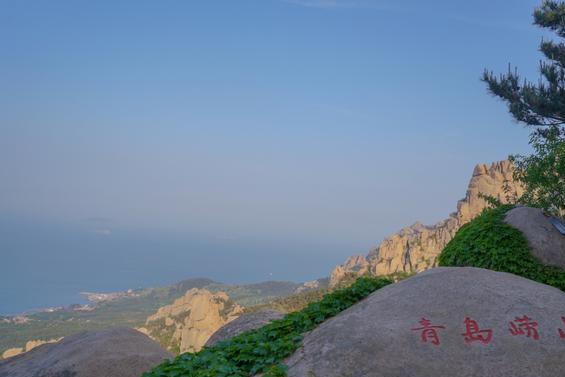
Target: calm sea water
[46, 266]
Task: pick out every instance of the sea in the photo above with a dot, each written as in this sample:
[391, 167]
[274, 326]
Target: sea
[45, 266]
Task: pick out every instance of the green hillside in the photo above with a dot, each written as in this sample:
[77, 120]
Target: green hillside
[128, 311]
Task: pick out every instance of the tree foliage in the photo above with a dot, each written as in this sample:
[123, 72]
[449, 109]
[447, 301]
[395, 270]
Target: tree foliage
[540, 105]
[544, 173]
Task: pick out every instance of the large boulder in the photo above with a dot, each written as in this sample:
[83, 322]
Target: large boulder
[244, 323]
[116, 352]
[444, 322]
[547, 243]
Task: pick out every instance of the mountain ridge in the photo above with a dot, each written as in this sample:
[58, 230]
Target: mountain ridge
[416, 247]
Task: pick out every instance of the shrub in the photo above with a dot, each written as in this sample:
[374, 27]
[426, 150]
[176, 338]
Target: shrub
[488, 242]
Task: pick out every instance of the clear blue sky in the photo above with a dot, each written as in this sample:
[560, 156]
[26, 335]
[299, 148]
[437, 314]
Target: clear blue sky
[285, 135]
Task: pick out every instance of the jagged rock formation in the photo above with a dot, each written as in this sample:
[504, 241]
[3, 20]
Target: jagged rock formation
[354, 265]
[28, 347]
[249, 321]
[186, 324]
[463, 322]
[415, 248]
[116, 352]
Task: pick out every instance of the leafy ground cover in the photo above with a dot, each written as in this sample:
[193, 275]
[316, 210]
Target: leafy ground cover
[262, 350]
[489, 242]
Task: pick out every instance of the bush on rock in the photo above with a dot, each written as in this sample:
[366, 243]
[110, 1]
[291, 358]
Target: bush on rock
[489, 242]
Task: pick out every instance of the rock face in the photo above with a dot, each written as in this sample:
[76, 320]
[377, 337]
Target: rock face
[117, 352]
[415, 248]
[28, 347]
[463, 322]
[245, 322]
[186, 324]
[545, 240]
[354, 265]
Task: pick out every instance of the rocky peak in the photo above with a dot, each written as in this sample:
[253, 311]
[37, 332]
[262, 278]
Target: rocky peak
[487, 180]
[415, 248]
[186, 324]
[354, 265]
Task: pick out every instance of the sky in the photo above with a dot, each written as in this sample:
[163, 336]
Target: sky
[143, 142]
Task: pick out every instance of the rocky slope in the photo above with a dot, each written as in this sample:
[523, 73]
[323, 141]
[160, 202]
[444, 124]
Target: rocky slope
[416, 247]
[186, 324]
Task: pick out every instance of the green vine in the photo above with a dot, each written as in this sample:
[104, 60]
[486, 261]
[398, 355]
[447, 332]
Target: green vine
[489, 242]
[264, 349]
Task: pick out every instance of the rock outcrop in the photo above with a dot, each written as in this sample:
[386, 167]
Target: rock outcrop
[28, 347]
[117, 352]
[244, 323]
[11, 352]
[415, 248]
[186, 324]
[355, 265]
[546, 242]
[311, 285]
[444, 322]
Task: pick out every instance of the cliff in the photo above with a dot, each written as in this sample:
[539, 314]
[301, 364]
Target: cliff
[415, 248]
[186, 324]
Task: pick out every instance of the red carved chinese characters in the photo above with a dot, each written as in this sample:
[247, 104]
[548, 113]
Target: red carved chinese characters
[429, 332]
[561, 332]
[524, 326]
[475, 334]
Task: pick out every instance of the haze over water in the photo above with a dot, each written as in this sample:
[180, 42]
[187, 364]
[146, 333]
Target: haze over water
[142, 143]
[57, 263]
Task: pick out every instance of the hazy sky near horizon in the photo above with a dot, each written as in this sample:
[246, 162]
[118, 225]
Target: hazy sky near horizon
[316, 125]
